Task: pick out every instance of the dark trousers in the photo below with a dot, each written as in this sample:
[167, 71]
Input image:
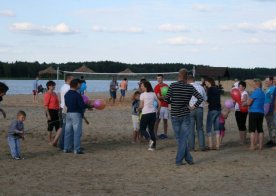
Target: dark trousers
[241, 120]
[148, 121]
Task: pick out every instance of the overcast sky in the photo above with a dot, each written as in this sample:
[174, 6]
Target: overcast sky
[234, 33]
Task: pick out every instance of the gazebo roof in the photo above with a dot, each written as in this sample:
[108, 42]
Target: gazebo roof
[84, 69]
[48, 71]
[127, 70]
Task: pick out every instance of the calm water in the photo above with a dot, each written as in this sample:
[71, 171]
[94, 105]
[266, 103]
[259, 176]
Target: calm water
[26, 86]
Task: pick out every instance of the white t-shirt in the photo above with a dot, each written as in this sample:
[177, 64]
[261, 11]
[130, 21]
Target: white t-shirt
[148, 99]
[63, 90]
[237, 108]
[201, 91]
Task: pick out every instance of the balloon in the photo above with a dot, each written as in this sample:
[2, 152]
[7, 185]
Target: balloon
[266, 108]
[99, 104]
[236, 95]
[155, 104]
[229, 103]
[243, 109]
[85, 99]
[164, 90]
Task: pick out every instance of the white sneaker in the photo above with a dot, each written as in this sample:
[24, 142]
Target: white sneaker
[151, 149]
[150, 143]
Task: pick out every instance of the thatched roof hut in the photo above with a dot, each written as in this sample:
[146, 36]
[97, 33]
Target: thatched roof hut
[127, 71]
[84, 69]
[50, 71]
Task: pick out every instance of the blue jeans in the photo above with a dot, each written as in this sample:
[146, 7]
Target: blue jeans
[62, 135]
[197, 120]
[181, 127]
[73, 129]
[14, 144]
[212, 120]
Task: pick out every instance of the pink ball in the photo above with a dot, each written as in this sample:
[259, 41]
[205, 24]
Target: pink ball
[99, 104]
[229, 103]
[85, 99]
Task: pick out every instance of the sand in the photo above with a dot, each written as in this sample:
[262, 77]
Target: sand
[114, 166]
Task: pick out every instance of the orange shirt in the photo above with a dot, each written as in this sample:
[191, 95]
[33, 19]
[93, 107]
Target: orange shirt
[51, 101]
[123, 85]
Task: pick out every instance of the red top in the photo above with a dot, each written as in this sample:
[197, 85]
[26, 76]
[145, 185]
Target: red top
[157, 90]
[51, 101]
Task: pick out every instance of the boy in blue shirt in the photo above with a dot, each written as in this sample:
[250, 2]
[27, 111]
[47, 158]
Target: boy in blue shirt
[16, 132]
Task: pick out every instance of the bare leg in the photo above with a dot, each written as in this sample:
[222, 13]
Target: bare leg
[261, 140]
[210, 142]
[217, 141]
[242, 137]
[55, 141]
[252, 141]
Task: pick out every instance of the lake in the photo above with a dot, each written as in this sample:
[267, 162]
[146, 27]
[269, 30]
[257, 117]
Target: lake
[26, 86]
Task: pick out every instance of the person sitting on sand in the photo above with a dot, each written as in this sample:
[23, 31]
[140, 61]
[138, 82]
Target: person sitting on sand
[51, 105]
[75, 113]
[256, 114]
[16, 132]
[3, 90]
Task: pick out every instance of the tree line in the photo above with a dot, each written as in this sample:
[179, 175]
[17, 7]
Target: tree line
[19, 69]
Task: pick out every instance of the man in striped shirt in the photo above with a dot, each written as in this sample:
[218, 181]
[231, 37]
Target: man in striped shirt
[179, 96]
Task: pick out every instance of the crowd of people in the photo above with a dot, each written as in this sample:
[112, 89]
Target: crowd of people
[183, 104]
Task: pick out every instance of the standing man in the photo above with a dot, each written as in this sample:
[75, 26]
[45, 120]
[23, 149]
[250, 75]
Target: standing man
[35, 89]
[75, 112]
[163, 114]
[123, 88]
[197, 116]
[179, 96]
[269, 100]
[63, 110]
[113, 87]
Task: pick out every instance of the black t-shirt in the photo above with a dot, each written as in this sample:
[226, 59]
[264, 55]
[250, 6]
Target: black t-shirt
[213, 98]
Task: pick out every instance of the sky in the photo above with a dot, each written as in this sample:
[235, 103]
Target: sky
[232, 33]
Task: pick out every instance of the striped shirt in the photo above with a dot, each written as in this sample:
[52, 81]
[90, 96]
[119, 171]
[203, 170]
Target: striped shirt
[179, 96]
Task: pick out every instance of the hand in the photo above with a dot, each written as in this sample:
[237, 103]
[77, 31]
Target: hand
[192, 107]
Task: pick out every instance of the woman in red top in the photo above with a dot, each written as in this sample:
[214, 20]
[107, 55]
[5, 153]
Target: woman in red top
[51, 105]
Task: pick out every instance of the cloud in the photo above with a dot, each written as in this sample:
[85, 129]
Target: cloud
[206, 8]
[7, 13]
[255, 40]
[173, 28]
[31, 28]
[117, 30]
[180, 40]
[269, 26]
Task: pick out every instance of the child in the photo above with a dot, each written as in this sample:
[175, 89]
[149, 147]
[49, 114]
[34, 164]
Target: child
[16, 131]
[3, 90]
[51, 106]
[135, 116]
[223, 116]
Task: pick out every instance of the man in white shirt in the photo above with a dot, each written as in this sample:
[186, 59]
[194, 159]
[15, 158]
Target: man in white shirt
[196, 116]
[63, 90]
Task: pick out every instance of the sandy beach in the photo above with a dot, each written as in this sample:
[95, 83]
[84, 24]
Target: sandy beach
[112, 165]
